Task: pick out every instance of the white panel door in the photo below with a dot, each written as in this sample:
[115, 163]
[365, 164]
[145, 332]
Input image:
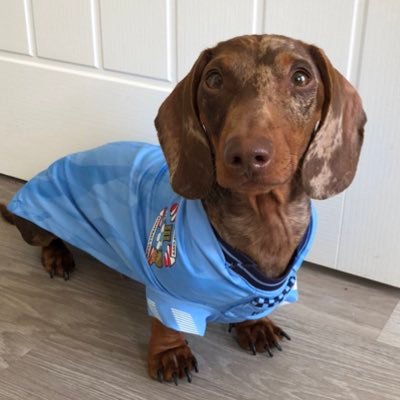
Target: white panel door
[94, 72]
[78, 73]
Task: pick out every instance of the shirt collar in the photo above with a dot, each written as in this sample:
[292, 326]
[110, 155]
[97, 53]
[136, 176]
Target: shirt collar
[247, 268]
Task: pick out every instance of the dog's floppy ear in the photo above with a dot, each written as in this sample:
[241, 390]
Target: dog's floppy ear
[330, 162]
[182, 138]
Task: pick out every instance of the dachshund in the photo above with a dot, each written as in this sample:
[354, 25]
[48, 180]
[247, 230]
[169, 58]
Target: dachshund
[216, 222]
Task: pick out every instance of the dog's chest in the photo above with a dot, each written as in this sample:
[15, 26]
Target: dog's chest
[270, 239]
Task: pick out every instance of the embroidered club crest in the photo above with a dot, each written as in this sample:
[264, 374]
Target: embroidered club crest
[161, 246]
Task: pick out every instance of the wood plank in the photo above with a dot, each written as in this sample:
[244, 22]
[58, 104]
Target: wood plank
[391, 332]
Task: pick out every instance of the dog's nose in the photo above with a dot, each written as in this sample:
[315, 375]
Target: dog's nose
[247, 155]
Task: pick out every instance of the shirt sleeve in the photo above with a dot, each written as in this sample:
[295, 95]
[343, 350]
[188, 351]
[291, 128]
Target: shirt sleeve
[177, 314]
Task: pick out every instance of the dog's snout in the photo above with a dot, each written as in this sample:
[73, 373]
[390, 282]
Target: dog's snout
[248, 155]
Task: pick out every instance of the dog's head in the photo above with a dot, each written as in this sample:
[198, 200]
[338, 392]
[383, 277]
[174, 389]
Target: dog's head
[255, 112]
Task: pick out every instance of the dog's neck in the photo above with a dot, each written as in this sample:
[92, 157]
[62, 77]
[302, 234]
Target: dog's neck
[267, 227]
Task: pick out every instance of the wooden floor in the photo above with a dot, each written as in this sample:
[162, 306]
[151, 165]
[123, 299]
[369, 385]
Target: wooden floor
[86, 339]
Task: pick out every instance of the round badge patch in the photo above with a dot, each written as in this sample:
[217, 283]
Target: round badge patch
[161, 246]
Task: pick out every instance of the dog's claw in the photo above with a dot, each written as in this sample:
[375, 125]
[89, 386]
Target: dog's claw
[189, 375]
[268, 350]
[252, 347]
[160, 375]
[57, 260]
[285, 335]
[173, 364]
[195, 365]
[277, 345]
[260, 336]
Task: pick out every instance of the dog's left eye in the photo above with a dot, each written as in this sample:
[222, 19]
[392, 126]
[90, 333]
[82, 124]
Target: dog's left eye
[214, 80]
[301, 78]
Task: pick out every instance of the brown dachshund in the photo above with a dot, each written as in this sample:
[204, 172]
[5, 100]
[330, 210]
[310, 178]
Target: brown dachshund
[260, 125]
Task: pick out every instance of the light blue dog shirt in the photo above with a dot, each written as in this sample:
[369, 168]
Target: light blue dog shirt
[116, 203]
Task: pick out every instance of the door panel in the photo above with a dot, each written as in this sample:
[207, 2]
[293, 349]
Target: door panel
[63, 30]
[369, 244]
[13, 27]
[136, 37]
[49, 113]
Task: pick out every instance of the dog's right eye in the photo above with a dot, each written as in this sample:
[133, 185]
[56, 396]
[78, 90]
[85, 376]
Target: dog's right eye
[301, 78]
[214, 80]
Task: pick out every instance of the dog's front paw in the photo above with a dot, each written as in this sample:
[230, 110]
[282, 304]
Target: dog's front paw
[57, 259]
[172, 364]
[261, 335]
